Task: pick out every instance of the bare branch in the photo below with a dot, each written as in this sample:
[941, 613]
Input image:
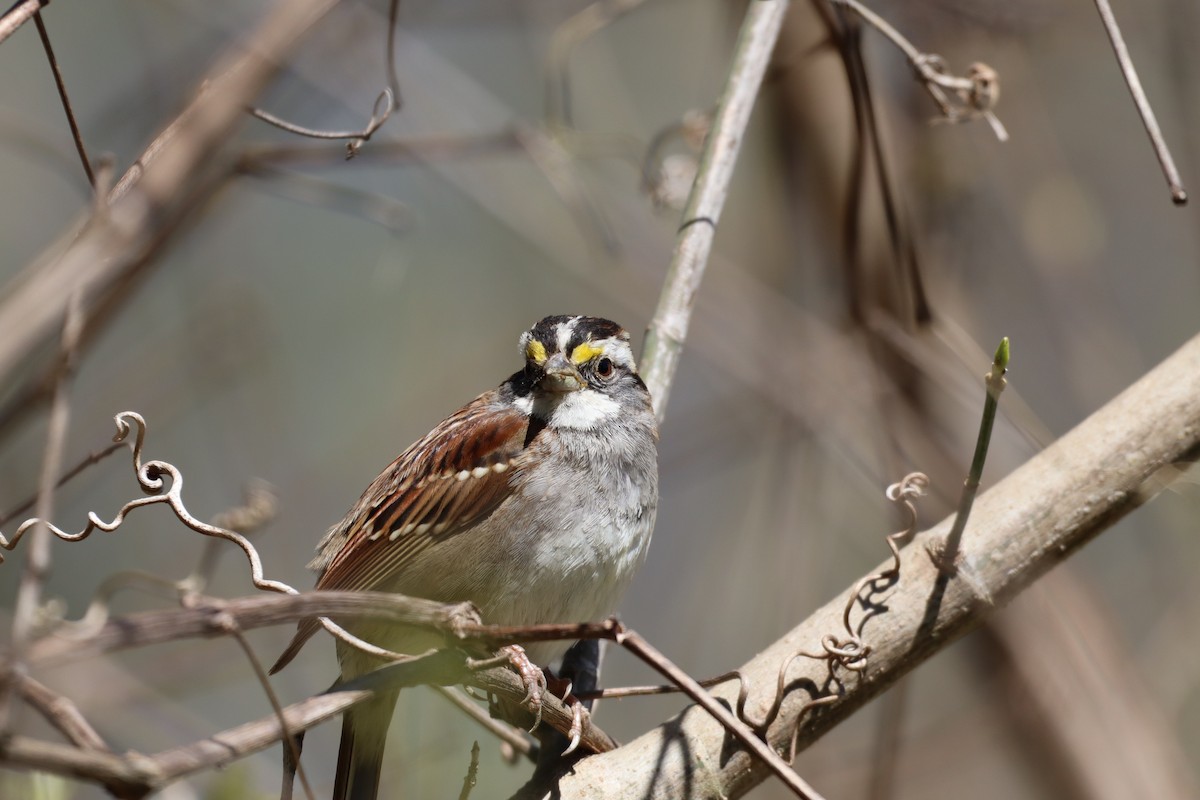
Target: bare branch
[693, 243]
[136, 774]
[975, 95]
[1030, 521]
[385, 104]
[37, 566]
[1033, 519]
[154, 197]
[258, 611]
[472, 776]
[509, 736]
[17, 15]
[60, 712]
[66, 101]
[1178, 194]
[264, 681]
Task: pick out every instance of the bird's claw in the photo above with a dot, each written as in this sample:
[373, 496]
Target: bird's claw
[533, 678]
[536, 686]
[579, 715]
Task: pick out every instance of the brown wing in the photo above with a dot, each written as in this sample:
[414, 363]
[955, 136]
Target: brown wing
[451, 479]
[454, 477]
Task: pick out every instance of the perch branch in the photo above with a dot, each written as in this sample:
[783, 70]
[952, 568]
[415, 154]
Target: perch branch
[1026, 524]
[1035, 518]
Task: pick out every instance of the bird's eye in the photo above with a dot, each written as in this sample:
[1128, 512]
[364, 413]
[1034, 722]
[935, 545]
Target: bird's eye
[604, 368]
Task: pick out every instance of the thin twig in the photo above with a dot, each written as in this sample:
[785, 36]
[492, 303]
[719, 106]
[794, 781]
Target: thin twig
[869, 139]
[264, 681]
[693, 243]
[62, 713]
[621, 692]
[1178, 194]
[995, 385]
[202, 619]
[472, 776]
[574, 30]
[386, 103]
[418, 150]
[977, 93]
[393, 78]
[138, 774]
[740, 730]
[505, 733]
[66, 101]
[37, 565]
[89, 460]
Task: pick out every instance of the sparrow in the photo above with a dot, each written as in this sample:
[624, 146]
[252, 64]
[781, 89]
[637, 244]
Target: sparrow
[535, 502]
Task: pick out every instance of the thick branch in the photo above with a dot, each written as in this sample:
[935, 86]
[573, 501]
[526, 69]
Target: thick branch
[1033, 519]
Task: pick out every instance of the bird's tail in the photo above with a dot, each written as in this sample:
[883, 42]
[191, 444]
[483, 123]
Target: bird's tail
[360, 755]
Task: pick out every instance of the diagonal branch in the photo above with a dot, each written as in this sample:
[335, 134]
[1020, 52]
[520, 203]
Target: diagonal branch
[693, 243]
[1035, 518]
[18, 14]
[1145, 111]
[177, 171]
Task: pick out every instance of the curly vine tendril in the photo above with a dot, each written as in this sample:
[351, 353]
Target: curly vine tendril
[850, 652]
[154, 477]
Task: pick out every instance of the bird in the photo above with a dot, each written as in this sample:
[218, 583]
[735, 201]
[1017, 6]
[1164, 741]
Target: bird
[535, 501]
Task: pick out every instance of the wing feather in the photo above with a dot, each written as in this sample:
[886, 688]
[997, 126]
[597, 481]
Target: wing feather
[451, 479]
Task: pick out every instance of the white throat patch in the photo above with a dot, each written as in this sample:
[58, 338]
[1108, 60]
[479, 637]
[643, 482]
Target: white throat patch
[579, 410]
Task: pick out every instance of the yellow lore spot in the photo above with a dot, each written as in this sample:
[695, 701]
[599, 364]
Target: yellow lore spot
[585, 353]
[535, 351]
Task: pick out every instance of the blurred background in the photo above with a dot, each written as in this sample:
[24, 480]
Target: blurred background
[317, 315]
